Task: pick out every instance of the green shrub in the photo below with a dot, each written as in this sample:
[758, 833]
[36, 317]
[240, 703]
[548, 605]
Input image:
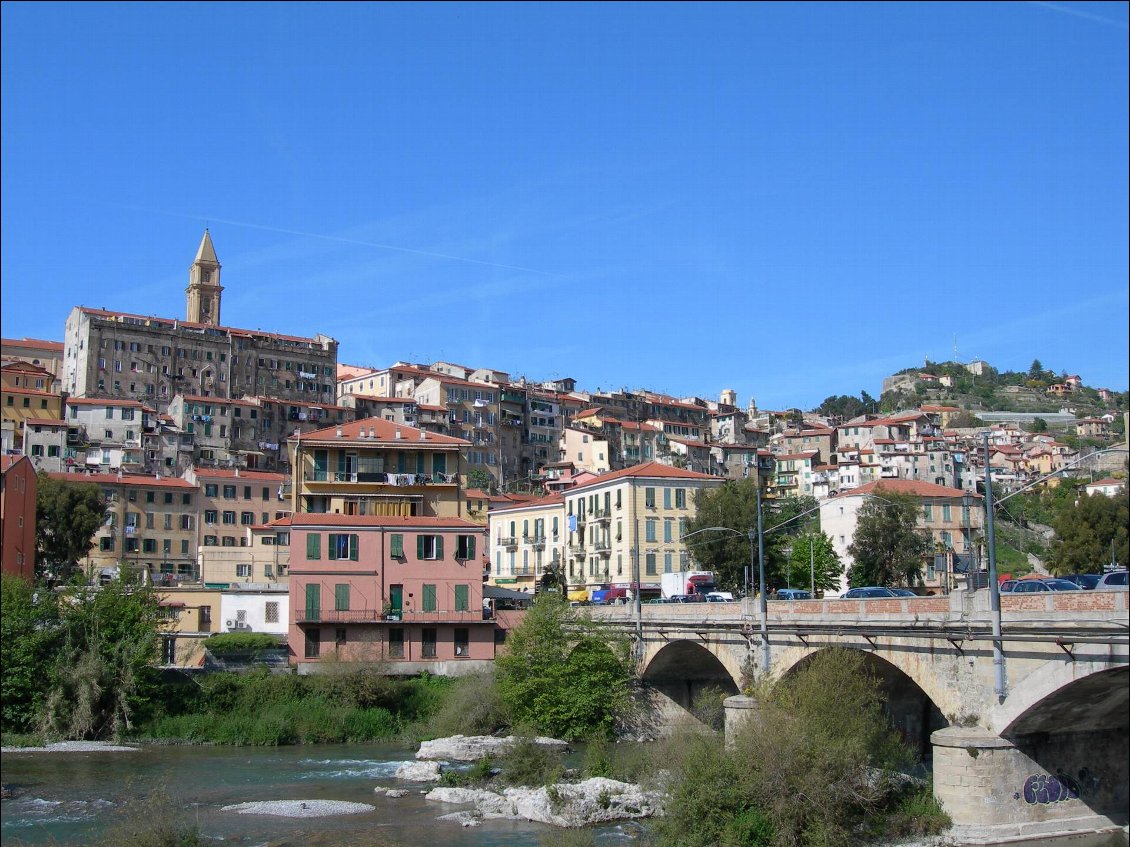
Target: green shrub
[529, 763]
[914, 815]
[471, 706]
[227, 643]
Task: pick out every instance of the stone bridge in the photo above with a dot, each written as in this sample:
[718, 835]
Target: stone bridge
[1046, 755]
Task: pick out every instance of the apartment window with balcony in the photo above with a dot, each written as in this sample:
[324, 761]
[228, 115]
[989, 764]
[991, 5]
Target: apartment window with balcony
[650, 562]
[428, 643]
[210, 541]
[228, 541]
[341, 597]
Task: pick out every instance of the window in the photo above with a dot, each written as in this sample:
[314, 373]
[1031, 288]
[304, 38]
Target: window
[246, 518]
[186, 521]
[465, 547]
[168, 498]
[313, 601]
[680, 498]
[106, 544]
[210, 541]
[210, 516]
[650, 559]
[462, 641]
[928, 513]
[229, 518]
[186, 499]
[149, 545]
[946, 513]
[428, 643]
[210, 489]
[341, 597]
[247, 492]
[313, 545]
[397, 551]
[271, 611]
[243, 571]
[649, 529]
[649, 498]
[229, 492]
[313, 646]
[668, 529]
[428, 601]
[227, 541]
[666, 498]
[396, 643]
[462, 598]
[342, 546]
[429, 547]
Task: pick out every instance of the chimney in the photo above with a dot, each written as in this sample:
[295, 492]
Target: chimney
[423, 435]
[397, 433]
[237, 471]
[339, 433]
[372, 432]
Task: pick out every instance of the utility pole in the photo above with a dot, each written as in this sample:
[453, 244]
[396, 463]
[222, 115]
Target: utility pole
[761, 579]
[994, 587]
[812, 565]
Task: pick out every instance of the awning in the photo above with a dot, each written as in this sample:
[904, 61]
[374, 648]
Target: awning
[491, 592]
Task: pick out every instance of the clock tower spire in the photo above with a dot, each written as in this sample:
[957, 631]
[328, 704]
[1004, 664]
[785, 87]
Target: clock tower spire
[204, 287]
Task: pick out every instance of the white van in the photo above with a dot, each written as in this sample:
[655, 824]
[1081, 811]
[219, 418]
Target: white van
[719, 597]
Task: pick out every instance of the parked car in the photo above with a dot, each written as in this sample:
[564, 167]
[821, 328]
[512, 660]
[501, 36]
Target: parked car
[685, 598]
[793, 594]
[1083, 580]
[1113, 581]
[903, 592]
[1007, 585]
[1035, 586]
[871, 592]
[719, 597]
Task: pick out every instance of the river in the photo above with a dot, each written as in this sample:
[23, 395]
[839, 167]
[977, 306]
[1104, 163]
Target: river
[80, 798]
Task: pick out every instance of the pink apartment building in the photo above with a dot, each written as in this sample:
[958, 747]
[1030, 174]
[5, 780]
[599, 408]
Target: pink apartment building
[397, 589]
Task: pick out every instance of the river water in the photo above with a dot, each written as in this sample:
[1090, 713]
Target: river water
[81, 798]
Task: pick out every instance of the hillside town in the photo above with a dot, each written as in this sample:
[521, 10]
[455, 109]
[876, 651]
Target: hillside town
[264, 485]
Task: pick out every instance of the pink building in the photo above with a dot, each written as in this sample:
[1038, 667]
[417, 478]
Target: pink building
[396, 589]
[17, 516]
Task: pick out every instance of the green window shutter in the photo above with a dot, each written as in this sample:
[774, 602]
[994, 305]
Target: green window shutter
[419, 547]
[353, 545]
[470, 546]
[420, 463]
[341, 597]
[341, 462]
[331, 546]
[313, 545]
[397, 546]
[313, 601]
[439, 547]
[429, 599]
[462, 598]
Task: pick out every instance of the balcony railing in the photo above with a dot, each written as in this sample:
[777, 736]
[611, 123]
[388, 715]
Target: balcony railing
[537, 541]
[381, 478]
[508, 541]
[377, 616]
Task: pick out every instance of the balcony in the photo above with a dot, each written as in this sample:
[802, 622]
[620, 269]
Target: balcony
[508, 541]
[602, 547]
[338, 616]
[577, 549]
[602, 516]
[536, 541]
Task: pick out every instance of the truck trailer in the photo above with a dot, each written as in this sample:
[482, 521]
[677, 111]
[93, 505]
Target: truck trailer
[680, 583]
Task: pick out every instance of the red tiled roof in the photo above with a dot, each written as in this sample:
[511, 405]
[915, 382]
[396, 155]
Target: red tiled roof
[911, 487]
[647, 470]
[309, 519]
[56, 346]
[385, 432]
[124, 479]
[231, 473]
[105, 313]
[33, 392]
[106, 401]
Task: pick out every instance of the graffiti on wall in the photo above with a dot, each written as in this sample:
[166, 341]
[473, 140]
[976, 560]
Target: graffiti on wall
[1044, 789]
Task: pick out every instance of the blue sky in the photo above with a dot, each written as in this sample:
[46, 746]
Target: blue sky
[791, 200]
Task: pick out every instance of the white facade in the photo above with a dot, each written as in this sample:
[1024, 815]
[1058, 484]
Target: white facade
[255, 607]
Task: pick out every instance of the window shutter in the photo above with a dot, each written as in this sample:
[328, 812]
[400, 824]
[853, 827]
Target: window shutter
[419, 547]
[341, 597]
[462, 603]
[331, 546]
[429, 598]
[353, 545]
[470, 546]
[313, 545]
[397, 545]
[439, 547]
[313, 601]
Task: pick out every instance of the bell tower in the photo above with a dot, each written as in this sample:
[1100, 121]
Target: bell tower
[204, 287]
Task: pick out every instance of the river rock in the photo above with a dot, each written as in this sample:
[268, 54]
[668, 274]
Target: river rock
[396, 792]
[462, 818]
[471, 748]
[419, 771]
[596, 800]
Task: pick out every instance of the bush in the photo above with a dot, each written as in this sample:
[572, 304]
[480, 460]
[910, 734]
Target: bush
[471, 707]
[531, 764]
[227, 643]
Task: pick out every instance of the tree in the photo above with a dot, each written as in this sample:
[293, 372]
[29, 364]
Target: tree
[888, 548]
[1038, 425]
[1036, 370]
[29, 642]
[814, 560]
[965, 420]
[67, 514]
[478, 478]
[561, 675]
[1087, 529]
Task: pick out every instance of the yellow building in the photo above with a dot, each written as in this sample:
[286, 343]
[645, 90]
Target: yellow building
[526, 540]
[630, 522]
[378, 467]
[27, 396]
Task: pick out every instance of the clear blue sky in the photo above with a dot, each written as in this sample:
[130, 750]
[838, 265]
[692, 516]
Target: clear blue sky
[788, 200]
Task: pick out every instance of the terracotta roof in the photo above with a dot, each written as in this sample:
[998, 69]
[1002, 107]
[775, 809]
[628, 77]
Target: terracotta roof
[7, 461]
[807, 454]
[385, 432]
[230, 473]
[308, 519]
[125, 479]
[352, 371]
[106, 401]
[33, 392]
[45, 422]
[911, 487]
[647, 470]
[536, 503]
[56, 346]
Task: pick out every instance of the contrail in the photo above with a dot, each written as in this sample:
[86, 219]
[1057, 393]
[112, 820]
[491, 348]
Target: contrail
[1067, 10]
[340, 240]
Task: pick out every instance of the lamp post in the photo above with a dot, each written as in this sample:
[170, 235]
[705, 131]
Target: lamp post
[994, 588]
[764, 607]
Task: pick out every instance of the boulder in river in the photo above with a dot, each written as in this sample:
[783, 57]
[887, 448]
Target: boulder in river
[471, 748]
[419, 771]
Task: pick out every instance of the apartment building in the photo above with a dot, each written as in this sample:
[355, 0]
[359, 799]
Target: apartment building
[805, 440]
[45, 354]
[234, 500]
[27, 395]
[527, 540]
[122, 355]
[954, 519]
[630, 519]
[45, 443]
[106, 435]
[377, 467]
[473, 415]
[407, 591]
[263, 556]
[17, 516]
[401, 410]
[151, 525]
[794, 474]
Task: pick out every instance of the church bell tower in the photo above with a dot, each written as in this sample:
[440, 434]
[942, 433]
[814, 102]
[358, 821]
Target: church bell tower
[204, 287]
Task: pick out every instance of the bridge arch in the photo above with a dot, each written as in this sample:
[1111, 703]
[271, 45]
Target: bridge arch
[682, 669]
[1090, 694]
[912, 710]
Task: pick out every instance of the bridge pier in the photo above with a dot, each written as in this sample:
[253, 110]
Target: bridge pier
[997, 789]
[740, 709]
